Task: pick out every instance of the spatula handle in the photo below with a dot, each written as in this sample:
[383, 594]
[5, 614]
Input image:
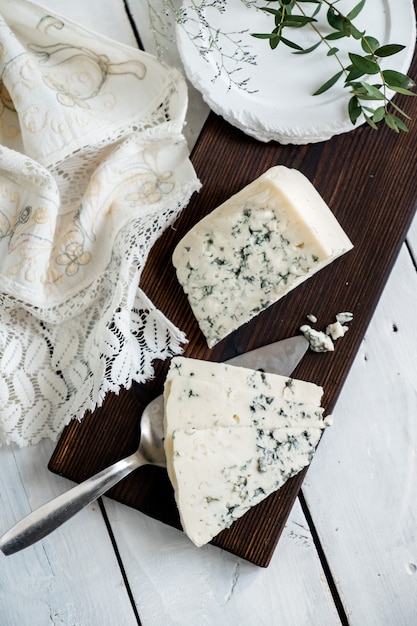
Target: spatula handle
[51, 515]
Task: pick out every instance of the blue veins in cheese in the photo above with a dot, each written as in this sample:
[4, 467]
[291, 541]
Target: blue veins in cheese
[196, 403]
[232, 437]
[255, 248]
[222, 472]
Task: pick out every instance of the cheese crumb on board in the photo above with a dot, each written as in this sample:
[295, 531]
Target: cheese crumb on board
[322, 341]
[344, 317]
[232, 437]
[336, 330]
[319, 341]
[255, 248]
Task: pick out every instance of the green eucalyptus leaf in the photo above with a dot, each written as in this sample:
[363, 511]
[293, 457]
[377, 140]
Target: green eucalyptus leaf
[400, 111]
[359, 92]
[354, 109]
[357, 34]
[291, 44]
[274, 41]
[373, 91]
[392, 122]
[353, 73]
[297, 20]
[332, 52]
[334, 35]
[360, 85]
[405, 92]
[388, 50]
[365, 92]
[350, 30]
[356, 10]
[379, 114]
[317, 9]
[334, 19]
[367, 97]
[364, 63]
[272, 11]
[397, 79]
[369, 44]
[368, 109]
[329, 83]
[264, 35]
[370, 121]
[401, 125]
[307, 50]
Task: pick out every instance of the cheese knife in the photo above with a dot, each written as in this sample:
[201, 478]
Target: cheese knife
[280, 357]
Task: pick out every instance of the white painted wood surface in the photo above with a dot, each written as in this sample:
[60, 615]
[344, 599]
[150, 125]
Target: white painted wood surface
[362, 486]
[361, 492]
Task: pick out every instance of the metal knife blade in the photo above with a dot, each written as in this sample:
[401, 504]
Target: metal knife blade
[281, 357]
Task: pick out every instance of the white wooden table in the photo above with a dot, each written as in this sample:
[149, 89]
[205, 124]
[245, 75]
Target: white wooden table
[348, 554]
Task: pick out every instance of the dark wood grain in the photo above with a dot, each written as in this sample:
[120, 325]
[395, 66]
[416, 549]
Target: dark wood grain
[368, 178]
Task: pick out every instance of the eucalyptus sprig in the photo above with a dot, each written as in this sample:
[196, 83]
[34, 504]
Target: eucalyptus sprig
[357, 69]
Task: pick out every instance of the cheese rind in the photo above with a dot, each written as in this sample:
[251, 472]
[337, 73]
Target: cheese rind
[244, 378]
[254, 248]
[221, 473]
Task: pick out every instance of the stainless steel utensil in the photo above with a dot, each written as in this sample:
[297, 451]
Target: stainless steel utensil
[279, 358]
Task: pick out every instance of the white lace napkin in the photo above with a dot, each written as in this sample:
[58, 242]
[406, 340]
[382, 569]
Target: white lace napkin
[93, 167]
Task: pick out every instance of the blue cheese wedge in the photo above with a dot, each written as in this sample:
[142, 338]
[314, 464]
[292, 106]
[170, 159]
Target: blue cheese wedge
[232, 437]
[220, 473]
[254, 248]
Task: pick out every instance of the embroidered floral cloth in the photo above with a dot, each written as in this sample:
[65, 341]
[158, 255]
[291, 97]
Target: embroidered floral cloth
[93, 167]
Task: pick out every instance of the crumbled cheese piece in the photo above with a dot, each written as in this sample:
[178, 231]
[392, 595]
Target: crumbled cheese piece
[254, 248]
[312, 318]
[321, 341]
[318, 340]
[336, 330]
[344, 317]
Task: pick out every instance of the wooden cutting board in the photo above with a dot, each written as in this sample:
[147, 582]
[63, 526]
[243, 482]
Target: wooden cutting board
[368, 178]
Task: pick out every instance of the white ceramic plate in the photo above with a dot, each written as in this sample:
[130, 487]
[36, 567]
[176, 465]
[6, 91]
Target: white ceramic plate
[268, 93]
